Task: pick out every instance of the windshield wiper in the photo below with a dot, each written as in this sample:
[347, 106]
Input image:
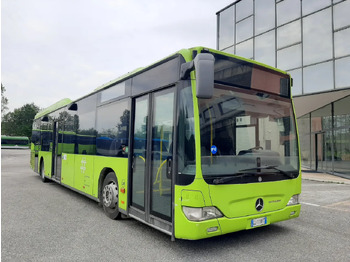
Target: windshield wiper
[290, 175]
[223, 180]
[248, 172]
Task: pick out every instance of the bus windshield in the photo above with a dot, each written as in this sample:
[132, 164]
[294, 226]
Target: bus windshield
[246, 131]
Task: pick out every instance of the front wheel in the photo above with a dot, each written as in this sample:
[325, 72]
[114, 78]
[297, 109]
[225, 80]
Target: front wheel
[110, 196]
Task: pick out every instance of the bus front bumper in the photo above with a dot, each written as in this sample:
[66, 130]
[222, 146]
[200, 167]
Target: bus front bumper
[215, 227]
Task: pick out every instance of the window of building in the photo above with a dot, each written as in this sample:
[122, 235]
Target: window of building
[287, 11]
[289, 34]
[321, 140]
[297, 88]
[245, 49]
[230, 50]
[244, 9]
[342, 79]
[341, 15]
[226, 28]
[313, 6]
[318, 78]
[264, 16]
[342, 113]
[317, 37]
[304, 139]
[265, 48]
[244, 29]
[289, 58]
[341, 43]
[342, 135]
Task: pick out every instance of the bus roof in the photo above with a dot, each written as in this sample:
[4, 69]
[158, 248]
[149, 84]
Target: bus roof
[53, 107]
[185, 53]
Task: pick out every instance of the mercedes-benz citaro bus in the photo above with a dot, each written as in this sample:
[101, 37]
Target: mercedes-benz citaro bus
[199, 144]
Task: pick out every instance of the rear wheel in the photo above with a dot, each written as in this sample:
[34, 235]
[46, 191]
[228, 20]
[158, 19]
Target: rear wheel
[42, 172]
[110, 196]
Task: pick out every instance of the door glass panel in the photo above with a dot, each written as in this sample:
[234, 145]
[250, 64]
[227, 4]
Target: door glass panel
[162, 140]
[140, 152]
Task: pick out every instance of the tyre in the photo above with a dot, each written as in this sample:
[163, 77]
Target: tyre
[110, 196]
[42, 172]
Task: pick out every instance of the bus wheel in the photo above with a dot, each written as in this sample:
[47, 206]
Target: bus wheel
[109, 196]
[42, 173]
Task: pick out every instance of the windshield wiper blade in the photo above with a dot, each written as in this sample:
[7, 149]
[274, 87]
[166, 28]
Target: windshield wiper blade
[248, 172]
[223, 180]
[291, 175]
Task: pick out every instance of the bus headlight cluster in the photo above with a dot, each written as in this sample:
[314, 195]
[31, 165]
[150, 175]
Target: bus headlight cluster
[294, 200]
[201, 213]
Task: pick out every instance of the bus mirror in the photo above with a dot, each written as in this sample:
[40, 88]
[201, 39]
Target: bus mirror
[204, 66]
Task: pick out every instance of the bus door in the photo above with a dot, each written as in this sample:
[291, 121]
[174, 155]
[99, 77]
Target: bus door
[57, 140]
[152, 165]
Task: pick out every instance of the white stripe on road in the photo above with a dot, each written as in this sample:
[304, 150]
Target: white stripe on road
[310, 204]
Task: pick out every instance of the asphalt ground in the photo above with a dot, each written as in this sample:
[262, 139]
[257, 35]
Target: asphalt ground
[47, 222]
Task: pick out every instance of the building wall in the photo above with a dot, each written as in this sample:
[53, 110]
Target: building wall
[310, 40]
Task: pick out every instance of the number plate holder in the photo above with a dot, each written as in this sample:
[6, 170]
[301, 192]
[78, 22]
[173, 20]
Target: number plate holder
[261, 221]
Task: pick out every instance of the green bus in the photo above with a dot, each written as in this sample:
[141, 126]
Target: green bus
[16, 142]
[199, 144]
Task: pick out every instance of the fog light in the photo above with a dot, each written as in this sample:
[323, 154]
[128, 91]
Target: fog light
[212, 229]
[292, 213]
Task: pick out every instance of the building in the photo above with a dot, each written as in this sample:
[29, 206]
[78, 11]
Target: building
[310, 39]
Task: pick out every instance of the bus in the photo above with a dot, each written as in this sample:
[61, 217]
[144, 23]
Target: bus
[16, 142]
[199, 144]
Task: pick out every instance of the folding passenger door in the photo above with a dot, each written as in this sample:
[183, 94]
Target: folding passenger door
[152, 165]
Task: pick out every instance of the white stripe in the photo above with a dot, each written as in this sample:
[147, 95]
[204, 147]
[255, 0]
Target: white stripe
[309, 204]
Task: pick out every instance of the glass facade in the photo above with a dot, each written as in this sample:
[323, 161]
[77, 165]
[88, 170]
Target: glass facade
[292, 35]
[325, 138]
[310, 40]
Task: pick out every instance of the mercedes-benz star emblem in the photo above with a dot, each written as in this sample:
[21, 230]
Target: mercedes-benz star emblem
[259, 204]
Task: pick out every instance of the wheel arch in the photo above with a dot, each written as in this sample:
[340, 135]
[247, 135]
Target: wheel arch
[102, 177]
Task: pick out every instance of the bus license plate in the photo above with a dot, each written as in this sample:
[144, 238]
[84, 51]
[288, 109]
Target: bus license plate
[258, 221]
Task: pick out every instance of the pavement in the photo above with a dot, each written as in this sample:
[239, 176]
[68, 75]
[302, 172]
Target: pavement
[324, 177]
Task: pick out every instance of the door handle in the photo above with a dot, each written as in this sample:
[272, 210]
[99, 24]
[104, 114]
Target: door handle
[169, 169]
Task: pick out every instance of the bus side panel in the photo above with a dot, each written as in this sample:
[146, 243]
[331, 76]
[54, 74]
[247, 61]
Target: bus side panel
[67, 174]
[120, 167]
[47, 159]
[83, 173]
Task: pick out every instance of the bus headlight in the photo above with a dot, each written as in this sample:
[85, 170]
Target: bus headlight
[201, 213]
[294, 200]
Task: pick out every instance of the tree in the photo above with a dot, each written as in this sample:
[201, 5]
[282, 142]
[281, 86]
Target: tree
[19, 122]
[4, 101]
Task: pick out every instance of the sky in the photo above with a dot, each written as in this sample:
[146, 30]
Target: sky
[53, 49]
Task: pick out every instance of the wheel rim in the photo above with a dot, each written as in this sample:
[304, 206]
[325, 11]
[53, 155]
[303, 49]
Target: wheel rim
[110, 195]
